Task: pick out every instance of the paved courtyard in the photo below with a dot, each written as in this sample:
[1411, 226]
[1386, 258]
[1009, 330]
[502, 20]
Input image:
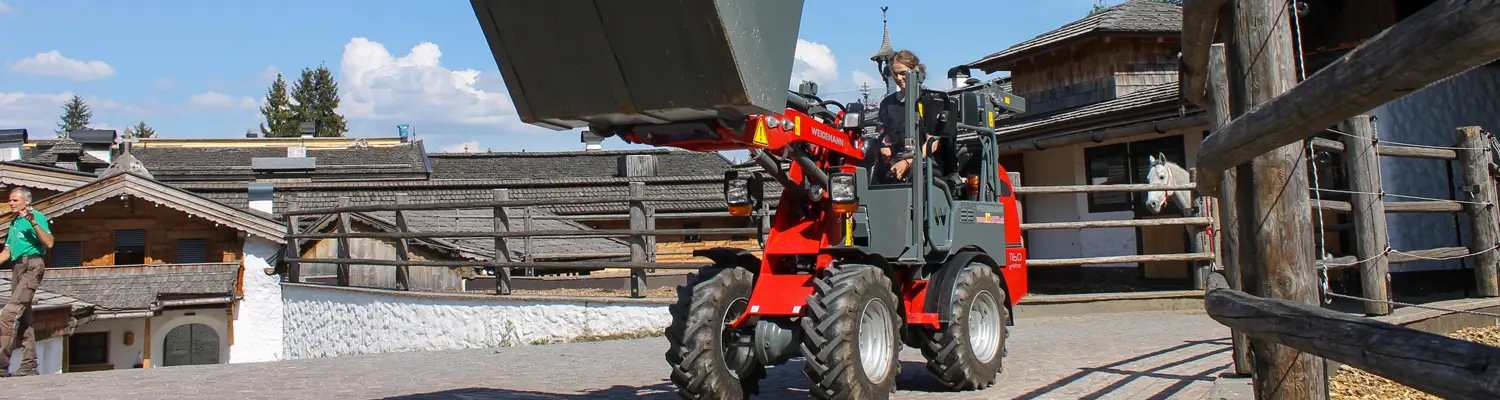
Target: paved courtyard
[1146, 355]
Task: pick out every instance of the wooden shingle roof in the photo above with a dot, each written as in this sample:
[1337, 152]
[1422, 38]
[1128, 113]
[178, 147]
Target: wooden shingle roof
[122, 288]
[1130, 17]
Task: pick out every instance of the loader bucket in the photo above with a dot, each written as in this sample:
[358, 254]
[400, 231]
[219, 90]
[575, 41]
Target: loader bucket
[576, 63]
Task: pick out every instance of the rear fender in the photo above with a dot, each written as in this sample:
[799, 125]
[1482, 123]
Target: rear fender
[941, 284]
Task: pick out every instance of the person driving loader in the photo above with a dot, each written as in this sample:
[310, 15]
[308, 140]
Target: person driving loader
[895, 158]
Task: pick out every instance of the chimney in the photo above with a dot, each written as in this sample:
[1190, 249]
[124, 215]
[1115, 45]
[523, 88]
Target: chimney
[99, 143]
[296, 151]
[308, 129]
[262, 197]
[10, 144]
[591, 141]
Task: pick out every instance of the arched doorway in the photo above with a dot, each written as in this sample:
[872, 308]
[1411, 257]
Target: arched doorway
[190, 344]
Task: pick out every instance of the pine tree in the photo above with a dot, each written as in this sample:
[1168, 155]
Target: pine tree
[317, 97]
[76, 115]
[140, 130]
[279, 112]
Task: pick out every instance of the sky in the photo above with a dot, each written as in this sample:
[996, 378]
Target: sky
[197, 69]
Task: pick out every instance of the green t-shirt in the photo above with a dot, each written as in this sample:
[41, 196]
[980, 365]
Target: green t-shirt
[22, 240]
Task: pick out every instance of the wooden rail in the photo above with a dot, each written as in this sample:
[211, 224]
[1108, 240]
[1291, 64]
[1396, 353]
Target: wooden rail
[1440, 365]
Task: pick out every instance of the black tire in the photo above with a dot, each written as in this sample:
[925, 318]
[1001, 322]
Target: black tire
[951, 351]
[701, 367]
[832, 333]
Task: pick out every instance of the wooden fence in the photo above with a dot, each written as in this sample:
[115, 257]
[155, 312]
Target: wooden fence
[1200, 223]
[1368, 207]
[640, 236]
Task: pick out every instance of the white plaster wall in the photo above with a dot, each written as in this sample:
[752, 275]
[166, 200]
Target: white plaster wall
[1052, 167]
[258, 318]
[1430, 117]
[330, 321]
[121, 355]
[48, 356]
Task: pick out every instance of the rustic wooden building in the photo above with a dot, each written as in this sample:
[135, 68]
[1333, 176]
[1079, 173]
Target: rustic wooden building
[164, 267]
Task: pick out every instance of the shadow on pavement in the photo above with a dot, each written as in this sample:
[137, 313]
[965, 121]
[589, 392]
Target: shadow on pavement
[1159, 362]
[658, 391]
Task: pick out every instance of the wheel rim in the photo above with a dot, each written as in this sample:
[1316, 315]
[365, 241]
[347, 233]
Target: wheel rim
[984, 326]
[875, 339]
[737, 356]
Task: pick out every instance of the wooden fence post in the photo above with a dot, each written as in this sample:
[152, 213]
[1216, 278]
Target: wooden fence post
[528, 252]
[403, 246]
[1474, 161]
[1229, 227]
[293, 246]
[502, 250]
[1201, 238]
[1368, 208]
[343, 266]
[637, 242]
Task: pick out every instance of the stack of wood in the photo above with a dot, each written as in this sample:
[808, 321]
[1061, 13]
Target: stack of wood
[1353, 384]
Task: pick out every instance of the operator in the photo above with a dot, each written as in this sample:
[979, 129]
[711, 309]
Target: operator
[892, 144]
[30, 237]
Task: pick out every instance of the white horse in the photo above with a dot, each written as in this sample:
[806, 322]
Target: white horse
[1165, 172]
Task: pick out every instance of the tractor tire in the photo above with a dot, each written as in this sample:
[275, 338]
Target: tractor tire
[705, 364]
[851, 334]
[967, 353]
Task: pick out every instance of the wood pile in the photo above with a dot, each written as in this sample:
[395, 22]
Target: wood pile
[1353, 384]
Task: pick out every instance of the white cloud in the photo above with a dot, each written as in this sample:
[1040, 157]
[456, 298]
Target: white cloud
[379, 86]
[814, 62]
[164, 84]
[39, 112]
[220, 100]
[860, 78]
[465, 147]
[4, 8]
[53, 64]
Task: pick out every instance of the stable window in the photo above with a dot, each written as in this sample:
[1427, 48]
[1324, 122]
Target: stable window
[192, 251]
[130, 247]
[1127, 163]
[66, 254]
[90, 348]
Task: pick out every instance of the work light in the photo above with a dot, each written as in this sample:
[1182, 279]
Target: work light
[737, 195]
[841, 191]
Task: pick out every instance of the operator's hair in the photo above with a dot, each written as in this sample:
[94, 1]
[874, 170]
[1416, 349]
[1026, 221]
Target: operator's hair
[25, 193]
[910, 60]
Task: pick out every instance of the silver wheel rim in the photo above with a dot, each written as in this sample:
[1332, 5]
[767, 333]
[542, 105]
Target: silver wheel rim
[736, 357]
[984, 326]
[875, 340]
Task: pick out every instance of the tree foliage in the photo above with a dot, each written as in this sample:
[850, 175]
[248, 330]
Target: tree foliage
[76, 115]
[280, 115]
[317, 97]
[140, 130]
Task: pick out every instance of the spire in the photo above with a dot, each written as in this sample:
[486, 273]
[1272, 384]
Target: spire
[885, 51]
[126, 162]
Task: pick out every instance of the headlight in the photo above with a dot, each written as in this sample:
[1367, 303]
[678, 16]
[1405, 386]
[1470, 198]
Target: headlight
[737, 195]
[841, 191]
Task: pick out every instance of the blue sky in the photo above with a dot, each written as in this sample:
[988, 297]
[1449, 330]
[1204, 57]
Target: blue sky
[201, 69]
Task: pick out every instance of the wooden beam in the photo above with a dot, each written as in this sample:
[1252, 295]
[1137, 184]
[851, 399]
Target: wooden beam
[1406, 257]
[1391, 150]
[1439, 365]
[1068, 262]
[1229, 229]
[501, 221]
[1444, 39]
[1132, 187]
[1479, 183]
[1275, 225]
[1118, 223]
[1396, 207]
[1368, 211]
[1199, 20]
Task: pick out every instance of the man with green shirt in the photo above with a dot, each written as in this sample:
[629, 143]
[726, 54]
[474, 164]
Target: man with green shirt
[29, 239]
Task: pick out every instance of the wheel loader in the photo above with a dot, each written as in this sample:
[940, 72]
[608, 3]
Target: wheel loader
[856, 264]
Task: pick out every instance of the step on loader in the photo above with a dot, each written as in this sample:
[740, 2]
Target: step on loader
[855, 264]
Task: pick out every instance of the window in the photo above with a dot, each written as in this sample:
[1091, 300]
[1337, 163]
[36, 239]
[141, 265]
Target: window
[90, 348]
[66, 254]
[192, 251]
[130, 247]
[1127, 163]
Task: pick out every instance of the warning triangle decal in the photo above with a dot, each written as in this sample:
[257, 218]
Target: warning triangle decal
[760, 134]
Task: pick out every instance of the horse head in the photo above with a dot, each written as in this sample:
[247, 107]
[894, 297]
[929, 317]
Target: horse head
[1164, 172]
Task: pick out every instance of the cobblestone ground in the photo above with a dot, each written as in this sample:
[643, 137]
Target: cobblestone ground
[1152, 355]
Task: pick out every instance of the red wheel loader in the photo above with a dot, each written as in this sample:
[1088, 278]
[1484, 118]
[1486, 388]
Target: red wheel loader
[855, 263]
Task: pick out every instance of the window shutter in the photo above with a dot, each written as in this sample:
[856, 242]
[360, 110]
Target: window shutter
[67, 254]
[192, 251]
[130, 238]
